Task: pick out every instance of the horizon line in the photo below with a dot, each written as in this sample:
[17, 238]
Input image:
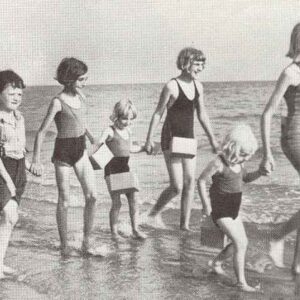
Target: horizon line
[136, 83]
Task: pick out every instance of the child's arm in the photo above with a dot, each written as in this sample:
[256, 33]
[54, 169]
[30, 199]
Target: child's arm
[36, 167]
[251, 176]
[106, 134]
[165, 95]
[212, 168]
[4, 174]
[134, 146]
[204, 119]
[90, 137]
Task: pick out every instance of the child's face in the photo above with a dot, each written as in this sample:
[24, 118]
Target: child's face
[125, 121]
[195, 68]
[242, 156]
[81, 81]
[11, 98]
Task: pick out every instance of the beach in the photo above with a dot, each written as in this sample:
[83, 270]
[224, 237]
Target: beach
[169, 264]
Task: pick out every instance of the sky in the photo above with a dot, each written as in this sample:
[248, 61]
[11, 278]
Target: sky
[137, 41]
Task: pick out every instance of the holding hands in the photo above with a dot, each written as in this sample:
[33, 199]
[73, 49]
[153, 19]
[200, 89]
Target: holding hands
[267, 165]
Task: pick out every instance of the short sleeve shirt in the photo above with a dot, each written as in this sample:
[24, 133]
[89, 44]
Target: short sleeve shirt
[12, 134]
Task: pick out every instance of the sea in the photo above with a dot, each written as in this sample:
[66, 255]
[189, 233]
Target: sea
[169, 264]
[227, 104]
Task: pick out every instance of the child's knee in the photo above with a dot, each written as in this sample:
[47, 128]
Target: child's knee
[189, 182]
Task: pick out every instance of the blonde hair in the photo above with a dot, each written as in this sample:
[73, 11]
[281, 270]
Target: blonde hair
[240, 138]
[122, 109]
[294, 42]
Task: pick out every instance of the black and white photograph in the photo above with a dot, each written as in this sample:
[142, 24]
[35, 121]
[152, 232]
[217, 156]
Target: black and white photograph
[149, 149]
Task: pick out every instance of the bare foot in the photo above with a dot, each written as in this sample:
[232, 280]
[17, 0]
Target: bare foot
[116, 236]
[8, 270]
[139, 235]
[276, 252]
[216, 267]
[247, 288]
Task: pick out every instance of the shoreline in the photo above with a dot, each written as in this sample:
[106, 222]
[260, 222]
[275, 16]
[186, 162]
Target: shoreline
[130, 267]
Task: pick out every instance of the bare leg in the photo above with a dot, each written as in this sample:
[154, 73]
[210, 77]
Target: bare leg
[86, 177]
[134, 213]
[236, 231]
[216, 263]
[7, 222]
[63, 184]
[277, 243]
[296, 261]
[174, 166]
[114, 214]
[187, 191]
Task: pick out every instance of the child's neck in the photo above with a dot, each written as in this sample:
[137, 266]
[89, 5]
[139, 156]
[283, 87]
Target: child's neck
[186, 77]
[6, 111]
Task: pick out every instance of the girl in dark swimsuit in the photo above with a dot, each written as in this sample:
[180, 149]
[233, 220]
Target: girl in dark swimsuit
[118, 139]
[67, 109]
[287, 87]
[223, 203]
[182, 97]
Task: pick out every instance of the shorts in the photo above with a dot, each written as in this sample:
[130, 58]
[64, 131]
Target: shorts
[117, 165]
[225, 205]
[68, 151]
[16, 170]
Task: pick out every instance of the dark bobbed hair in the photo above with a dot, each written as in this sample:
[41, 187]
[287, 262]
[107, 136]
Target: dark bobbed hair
[187, 55]
[69, 70]
[294, 42]
[9, 77]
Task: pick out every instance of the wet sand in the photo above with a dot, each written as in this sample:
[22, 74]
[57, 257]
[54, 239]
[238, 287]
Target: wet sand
[168, 265]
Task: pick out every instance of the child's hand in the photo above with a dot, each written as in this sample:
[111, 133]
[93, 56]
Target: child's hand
[36, 169]
[206, 211]
[263, 171]
[149, 146]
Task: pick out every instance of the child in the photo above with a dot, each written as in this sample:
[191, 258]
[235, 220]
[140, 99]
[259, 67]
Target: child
[68, 109]
[181, 96]
[117, 138]
[12, 159]
[225, 194]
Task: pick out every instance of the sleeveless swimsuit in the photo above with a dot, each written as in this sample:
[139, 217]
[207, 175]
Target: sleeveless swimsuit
[290, 132]
[121, 151]
[180, 118]
[226, 192]
[70, 142]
